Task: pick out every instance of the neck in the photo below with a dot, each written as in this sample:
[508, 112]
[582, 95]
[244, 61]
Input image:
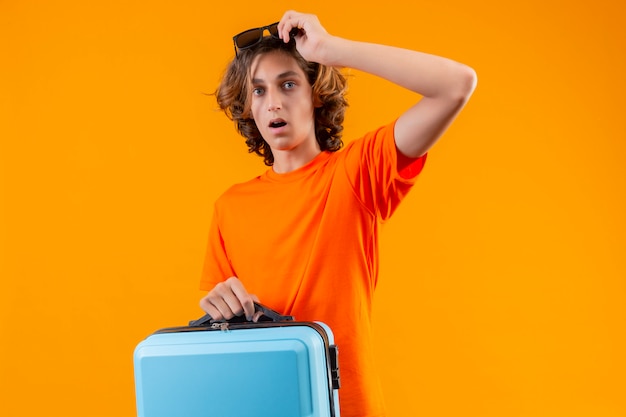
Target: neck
[287, 161]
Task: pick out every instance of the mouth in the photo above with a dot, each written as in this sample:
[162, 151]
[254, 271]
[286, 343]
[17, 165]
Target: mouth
[277, 123]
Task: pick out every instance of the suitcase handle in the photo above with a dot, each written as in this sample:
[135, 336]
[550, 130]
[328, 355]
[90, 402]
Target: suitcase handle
[268, 315]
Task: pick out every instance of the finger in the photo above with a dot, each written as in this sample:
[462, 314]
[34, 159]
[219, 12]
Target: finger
[245, 300]
[209, 307]
[224, 300]
[289, 21]
[234, 295]
[206, 306]
[221, 307]
[235, 305]
[257, 316]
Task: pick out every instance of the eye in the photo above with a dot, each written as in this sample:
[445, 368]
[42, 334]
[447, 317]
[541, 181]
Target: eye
[289, 85]
[257, 91]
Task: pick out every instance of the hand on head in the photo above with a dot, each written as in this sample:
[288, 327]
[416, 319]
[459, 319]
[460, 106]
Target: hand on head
[311, 40]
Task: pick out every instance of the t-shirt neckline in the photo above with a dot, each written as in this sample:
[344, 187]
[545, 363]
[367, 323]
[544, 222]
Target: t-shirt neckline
[299, 173]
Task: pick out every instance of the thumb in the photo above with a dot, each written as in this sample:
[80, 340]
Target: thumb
[258, 314]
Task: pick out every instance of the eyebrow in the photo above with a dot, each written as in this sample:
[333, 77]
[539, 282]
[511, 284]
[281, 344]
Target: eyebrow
[280, 76]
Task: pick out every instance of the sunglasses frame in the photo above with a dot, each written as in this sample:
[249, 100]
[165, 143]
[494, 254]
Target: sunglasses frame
[261, 32]
[292, 35]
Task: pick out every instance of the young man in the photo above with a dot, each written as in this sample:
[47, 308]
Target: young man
[302, 238]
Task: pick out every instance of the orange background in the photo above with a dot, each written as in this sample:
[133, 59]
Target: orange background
[502, 289]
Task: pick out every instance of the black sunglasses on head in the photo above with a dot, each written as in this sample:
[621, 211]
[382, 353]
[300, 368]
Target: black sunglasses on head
[251, 37]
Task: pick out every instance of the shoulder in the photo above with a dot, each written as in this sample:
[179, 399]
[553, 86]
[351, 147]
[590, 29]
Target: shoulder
[375, 144]
[380, 136]
[238, 191]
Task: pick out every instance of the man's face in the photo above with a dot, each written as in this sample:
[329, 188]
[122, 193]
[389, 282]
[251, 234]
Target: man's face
[282, 105]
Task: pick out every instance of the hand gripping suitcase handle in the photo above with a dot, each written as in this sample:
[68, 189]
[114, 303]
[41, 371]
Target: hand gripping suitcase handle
[268, 315]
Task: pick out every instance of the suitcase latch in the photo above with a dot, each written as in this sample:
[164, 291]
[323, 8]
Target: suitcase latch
[333, 351]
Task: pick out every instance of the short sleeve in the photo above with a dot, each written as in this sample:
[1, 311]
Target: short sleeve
[372, 163]
[217, 267]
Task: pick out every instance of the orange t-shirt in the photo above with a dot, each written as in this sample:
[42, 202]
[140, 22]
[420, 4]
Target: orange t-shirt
[306, 243]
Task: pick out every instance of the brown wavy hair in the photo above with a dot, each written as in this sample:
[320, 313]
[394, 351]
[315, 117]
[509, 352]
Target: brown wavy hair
[328, 84]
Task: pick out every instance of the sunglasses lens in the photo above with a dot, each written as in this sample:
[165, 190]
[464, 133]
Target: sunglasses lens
[273, 30]
[248, 38]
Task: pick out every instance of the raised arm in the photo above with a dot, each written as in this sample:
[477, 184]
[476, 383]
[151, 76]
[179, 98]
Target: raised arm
[445, 85]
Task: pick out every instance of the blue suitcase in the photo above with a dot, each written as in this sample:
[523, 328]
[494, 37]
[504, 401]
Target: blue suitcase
[276, 367]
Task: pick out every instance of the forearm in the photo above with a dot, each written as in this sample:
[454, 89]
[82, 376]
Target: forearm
[428, 75]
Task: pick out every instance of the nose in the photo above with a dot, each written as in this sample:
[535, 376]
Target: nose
[273, 101]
